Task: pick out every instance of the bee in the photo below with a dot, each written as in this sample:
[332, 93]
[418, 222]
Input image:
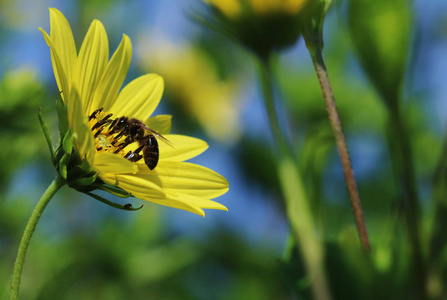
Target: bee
[134, 131]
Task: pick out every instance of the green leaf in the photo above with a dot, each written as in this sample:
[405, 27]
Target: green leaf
[46, 133]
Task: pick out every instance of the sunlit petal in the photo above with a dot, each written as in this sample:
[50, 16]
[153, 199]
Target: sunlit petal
[64, 45]
[139, 98]
[79, 125]
[186, 178]
[113, 76]
[136, 185]
[182, 148]
[175, 203]
[113, 164]
[91, 63]
[59, 72]
[200, 202]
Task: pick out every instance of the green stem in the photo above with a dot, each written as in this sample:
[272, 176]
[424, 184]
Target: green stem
[297, 204]
[436, 269]
[320, 68]
[57, 183]
[410, 202]
[265, 73]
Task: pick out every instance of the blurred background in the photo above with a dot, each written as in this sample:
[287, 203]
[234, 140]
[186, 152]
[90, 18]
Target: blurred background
[83, 249]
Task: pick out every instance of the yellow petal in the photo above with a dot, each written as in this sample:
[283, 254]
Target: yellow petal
[182, 148]
[200, 202]
[79, 124]
[64, 45]
[175, 203]
[185, 178]
[141, 186]
[59, 72]
[113, 164]
[91, 63]
[160, 123]
[139, 98]
[113, 76]
[188, 203]
[135, 184]
[146, 190]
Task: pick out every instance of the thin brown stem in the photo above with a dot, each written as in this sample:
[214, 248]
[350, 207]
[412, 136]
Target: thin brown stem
[334, 119]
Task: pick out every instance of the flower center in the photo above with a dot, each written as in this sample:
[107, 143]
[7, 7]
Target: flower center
[129, 138]
[110, 134]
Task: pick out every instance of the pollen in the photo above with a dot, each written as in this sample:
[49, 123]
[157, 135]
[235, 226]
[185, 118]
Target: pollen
[109, 137]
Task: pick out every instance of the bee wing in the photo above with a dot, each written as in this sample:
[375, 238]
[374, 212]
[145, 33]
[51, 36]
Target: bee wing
[159, 136]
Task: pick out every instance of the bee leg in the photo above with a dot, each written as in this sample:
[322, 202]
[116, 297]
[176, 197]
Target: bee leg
[106, 118]
[98, 133]
[103, 122]
[133, 156]
[123, 145]
[119, 135]
[95, 114]
[112, 125]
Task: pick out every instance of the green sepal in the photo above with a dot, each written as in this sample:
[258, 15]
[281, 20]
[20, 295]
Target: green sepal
[67, 142]
[80, 169]
[113, 204]
[114, 190]
[81, 183]
[312, 22]
[63, 162]
[46, 133]
[62, 116]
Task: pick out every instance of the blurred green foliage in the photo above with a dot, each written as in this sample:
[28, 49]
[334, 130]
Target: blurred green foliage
[20, 95]
[80, 251]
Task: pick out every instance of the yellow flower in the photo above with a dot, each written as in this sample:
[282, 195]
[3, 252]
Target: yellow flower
[90, 88]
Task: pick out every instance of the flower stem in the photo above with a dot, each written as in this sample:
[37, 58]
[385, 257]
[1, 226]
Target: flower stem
[57, 183]
[403, 162]
[297, 204]
[320, 68]
[438, 240]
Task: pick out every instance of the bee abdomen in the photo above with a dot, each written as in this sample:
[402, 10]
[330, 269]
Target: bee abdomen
[150, 151]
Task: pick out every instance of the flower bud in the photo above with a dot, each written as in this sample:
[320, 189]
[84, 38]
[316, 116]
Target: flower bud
[261, 26]
[381, 33]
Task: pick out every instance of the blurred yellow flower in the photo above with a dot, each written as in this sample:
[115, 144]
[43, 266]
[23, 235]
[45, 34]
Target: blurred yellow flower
[193, 81]
[233, 8]
[262, 26]
[230, 8]
[90, 88]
